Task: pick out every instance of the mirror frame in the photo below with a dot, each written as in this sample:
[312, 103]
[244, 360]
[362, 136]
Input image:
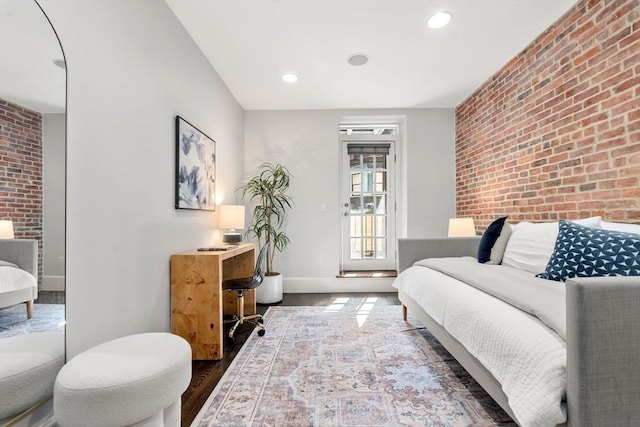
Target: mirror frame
[44, 409]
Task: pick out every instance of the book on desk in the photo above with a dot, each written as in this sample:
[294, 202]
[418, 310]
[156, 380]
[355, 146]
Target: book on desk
[217, 248]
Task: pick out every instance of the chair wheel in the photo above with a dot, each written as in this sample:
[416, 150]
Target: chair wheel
[261, 332]
[231, 340]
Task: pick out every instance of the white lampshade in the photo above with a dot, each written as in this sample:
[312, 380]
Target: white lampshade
[6, 229]
[461, 227]
[231, 217]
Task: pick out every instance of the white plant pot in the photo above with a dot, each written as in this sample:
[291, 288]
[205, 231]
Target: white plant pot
[270, 292]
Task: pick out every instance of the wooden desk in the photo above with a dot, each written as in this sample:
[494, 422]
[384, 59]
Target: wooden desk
[198, 301]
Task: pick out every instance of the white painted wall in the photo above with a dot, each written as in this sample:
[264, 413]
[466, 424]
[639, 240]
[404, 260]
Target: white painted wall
[53, 201]
[431, 173]
[307, 143]
[131, 69]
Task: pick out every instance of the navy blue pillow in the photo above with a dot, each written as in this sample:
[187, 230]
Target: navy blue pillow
[586, 252]
[489, 238]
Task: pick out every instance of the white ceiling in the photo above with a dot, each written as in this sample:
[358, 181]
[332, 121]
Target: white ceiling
[28, 47]
[251, 43]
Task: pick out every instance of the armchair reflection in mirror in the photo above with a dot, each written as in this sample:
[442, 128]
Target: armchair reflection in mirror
[18, 274]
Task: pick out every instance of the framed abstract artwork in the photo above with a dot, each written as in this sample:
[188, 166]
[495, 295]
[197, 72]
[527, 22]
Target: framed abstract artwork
[195, 168]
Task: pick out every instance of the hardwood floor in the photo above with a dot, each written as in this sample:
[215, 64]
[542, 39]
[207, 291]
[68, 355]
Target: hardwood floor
[50, 297]
[206, 374]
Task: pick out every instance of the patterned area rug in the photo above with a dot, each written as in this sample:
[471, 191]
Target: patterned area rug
[343, 365]
[46, 318]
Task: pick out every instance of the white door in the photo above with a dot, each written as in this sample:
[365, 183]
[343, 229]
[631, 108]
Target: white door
[368, 202]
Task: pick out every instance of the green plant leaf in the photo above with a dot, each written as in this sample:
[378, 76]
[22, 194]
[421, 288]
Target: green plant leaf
[267, 192]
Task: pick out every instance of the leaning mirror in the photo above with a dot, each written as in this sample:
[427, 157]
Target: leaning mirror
[32, 208]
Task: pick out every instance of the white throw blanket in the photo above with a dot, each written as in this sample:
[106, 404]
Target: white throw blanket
[523, 354]
[544, 299]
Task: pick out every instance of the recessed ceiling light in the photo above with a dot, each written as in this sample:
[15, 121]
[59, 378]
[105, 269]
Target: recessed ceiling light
[60, 63]
[290, 78]
[358, 59]
[439, 19]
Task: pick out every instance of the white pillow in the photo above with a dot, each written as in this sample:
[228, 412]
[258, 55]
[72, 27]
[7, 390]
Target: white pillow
[593, 222]
[530, 246]
[621, 226]
[497, 251]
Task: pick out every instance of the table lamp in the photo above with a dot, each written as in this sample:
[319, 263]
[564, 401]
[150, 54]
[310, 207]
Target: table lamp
[231, 217]
[6, 229]
[461, 227]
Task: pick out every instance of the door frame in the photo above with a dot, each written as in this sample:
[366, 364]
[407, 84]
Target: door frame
[390, 263]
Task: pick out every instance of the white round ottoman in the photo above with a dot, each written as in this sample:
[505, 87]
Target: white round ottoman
[29, 364]
[131, 381]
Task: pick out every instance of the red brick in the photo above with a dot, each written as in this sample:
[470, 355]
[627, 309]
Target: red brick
[586, 56]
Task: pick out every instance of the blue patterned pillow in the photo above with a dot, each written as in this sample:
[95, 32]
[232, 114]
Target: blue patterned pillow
[585, 252]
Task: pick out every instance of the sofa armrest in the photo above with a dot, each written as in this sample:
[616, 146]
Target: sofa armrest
[412, 250]
[22, 252]
[603, 351]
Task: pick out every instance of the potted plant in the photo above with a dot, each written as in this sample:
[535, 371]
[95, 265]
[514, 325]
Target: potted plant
[268, 190]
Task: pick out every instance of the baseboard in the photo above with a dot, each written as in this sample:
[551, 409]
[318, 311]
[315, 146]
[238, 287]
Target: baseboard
[53, 283]
[316, 285]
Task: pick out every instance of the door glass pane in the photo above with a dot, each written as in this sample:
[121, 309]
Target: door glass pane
[368, 161]
[368, 249]
[381, 250]
[381, 205]
[367, 182]
[381, 226]
[355, 162]
[356, 249]
[355, 205]
[381, 184]
[381, 162]
[356, 182]
[356, 225]
[369, 204]
[369, 224]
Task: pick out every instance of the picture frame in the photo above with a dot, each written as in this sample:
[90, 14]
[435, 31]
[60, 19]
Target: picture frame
[195, 168]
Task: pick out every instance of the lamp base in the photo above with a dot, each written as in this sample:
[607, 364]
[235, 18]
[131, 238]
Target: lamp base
[232, 238]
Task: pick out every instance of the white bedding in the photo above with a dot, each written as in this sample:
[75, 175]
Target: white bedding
[14, 279]
[522, 353]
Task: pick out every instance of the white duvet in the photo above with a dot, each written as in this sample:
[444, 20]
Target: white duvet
[523, 354]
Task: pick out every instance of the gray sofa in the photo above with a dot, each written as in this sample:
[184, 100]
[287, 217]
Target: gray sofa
[23, 253]
[602, 340]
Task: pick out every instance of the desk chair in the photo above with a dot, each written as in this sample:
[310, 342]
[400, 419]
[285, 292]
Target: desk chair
[241, 285]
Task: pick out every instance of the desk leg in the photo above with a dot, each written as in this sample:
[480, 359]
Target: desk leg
[196, 304]
[241, 265]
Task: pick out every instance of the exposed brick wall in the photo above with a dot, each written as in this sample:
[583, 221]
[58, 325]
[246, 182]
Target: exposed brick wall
[21, 172]
[556, 132]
